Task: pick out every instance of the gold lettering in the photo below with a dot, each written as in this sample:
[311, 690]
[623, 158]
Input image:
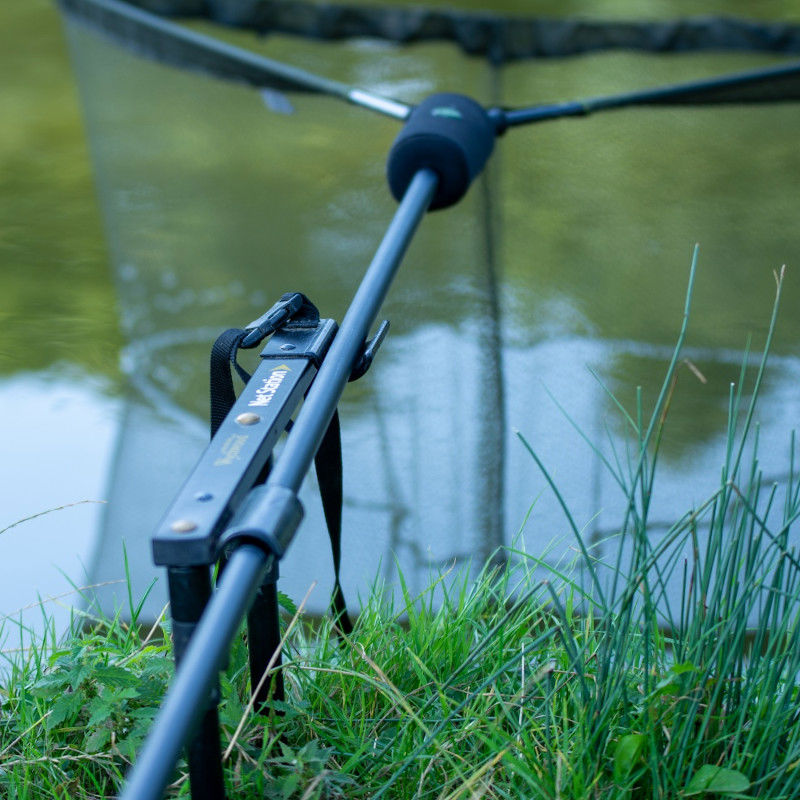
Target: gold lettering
[231, 449]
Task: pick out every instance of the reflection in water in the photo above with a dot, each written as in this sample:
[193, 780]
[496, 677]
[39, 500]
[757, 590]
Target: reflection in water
[491, 418]
[573, 251]
[491, 421]
[57, 454]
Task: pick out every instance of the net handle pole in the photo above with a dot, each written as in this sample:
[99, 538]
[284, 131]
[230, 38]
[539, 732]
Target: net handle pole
[316, 413]
[185, 703]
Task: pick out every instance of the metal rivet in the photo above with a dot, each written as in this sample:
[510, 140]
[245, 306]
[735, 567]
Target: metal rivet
[183, 526]
[203, 497]
[287, 347]
[248, 418]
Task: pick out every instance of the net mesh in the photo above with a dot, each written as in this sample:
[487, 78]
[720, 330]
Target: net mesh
[499, 37]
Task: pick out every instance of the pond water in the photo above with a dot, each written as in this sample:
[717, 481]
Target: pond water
[562, 275]
[60, 382]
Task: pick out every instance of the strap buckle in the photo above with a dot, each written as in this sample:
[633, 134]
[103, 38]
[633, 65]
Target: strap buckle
[268, 323]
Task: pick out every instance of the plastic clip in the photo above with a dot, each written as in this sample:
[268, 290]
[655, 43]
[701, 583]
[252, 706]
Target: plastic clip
[368, 354]
[268, 323]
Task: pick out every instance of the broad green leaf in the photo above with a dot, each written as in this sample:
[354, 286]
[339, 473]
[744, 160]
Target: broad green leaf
[65, 707]
[313, 754]
[111, 675]
[627, 753]
[142, 719]
[288, 784]
[287, 752]
[50, 685]
[666, 686]
[669, 683]
[58, 657]
[144, 715]
[100, 709]
[717, 779]
[79, 674]
[128, 747]
[286, 603]
[98, 740]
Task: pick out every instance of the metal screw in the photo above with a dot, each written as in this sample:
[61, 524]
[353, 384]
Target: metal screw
[248, 418]
[183, 526]
[287, 347]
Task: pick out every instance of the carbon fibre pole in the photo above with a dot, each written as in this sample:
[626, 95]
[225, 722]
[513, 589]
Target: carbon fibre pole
[185, 703]
[766, 85]
[316, 413]
[167, 42]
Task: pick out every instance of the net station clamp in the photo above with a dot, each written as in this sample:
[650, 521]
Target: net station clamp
[297, 342]
[292, 314]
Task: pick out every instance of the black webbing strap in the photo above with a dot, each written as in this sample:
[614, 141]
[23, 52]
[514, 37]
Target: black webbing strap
[223, 358]
[328, 459]
[328, 465]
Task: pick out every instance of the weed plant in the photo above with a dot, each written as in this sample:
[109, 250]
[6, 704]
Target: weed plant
[591, 683]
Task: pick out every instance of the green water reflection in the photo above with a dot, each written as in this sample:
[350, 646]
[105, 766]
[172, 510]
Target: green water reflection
[58, 299]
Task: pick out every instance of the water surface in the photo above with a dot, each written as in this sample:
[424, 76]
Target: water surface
[561, 277]
[59, 337]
